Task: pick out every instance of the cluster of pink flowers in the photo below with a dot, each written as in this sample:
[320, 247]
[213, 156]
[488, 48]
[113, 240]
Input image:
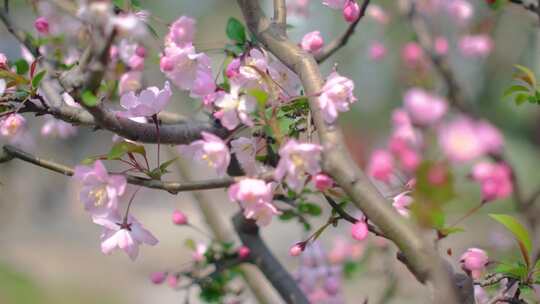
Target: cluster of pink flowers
[100, 193]
[255, 197]
[297, 160]
[495, 180]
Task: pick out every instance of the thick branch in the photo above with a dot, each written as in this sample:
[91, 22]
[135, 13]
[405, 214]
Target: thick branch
[338, 162]
[336, 44]
[171, 187]
[280, 12]
[248, 232]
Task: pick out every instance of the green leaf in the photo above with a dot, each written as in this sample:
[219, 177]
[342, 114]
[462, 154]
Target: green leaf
[22, 66]
[287, 215]
[157, 173]
[260, 95]
[89, 99]
[38, 78]
[309, 208]
[521, 98]
[521, 234]
[528, 76]
[236, 31]
[90, 160]
[515, 88]
[514, 270]
[121, 148]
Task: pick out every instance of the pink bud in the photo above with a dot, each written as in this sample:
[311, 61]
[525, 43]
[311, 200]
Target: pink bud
[377, 51]
[323, 182]
[3, 61]
[359, 230]
[166, 64]
[474, 261]
[441, 46]
[243, 252]
[42, 25]
[232, 68]
[179, 218]
[351, 11]
[312, 42]
[172, 280]
[297, 249]
[140, 51]
[158, 277]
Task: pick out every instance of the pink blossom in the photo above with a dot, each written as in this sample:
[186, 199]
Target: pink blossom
[58, 128]
[129, 25]
[323, 182]
[312, 42]
[424, 108]
[351, 11]
[335, 4]
[377, 51]
[460, 10]
[140, 51]
[234, 108]
[172, 280]
[490, 136]
[245, 150]
[179, 218]
[336, 96]
[254, 66]
[136, 62]
[377, 13]
[404, 131]
[401, 203]
[190, 70]
[126, 235]
[12, 125]
[474, 261]
[3, 61]
[198, 254]
[459, 140]
[233, 68]
[158, 277]
[441, 46]
[297, 159]
[495, 180]
[42, 25]
[210, 150]
[149, 102]
[381, 165]
[475, 45]
[244, 252]
[255, 197]
[359, 230]
[412, 54]
[100, 191]
[181, 32]
[129, 81]
[297, 249]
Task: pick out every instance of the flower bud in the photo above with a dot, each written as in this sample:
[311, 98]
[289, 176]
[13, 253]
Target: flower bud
[323, 182]
[312, 42]
[244, 252]
[359, 230]
[3, 61]
[474, 261]
[172, 280]
[351, 11]
[179, 218]
[42, 25]
[297, 249]
[166, 64]
[158, 277]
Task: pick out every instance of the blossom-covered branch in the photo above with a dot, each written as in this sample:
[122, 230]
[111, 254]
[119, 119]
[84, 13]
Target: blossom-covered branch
[338, 162]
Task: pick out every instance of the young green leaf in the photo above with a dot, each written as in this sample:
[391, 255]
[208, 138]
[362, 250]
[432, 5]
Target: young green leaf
[121, 148]
[89, 99]
[236, 31]
[514, 89]
[21, 66]
[520, 233]
[528, 76]
[38, 78]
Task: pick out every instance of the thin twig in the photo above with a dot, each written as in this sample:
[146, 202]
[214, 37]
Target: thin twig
[171, 187]
[342, 40]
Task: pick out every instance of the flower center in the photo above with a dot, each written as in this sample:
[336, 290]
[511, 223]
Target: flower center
[99, 195]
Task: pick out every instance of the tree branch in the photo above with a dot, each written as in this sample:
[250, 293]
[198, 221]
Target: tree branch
[171, 187]
[278, 276]
[534, 8]
[336, 44]
[338, 163]
[280, 12]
